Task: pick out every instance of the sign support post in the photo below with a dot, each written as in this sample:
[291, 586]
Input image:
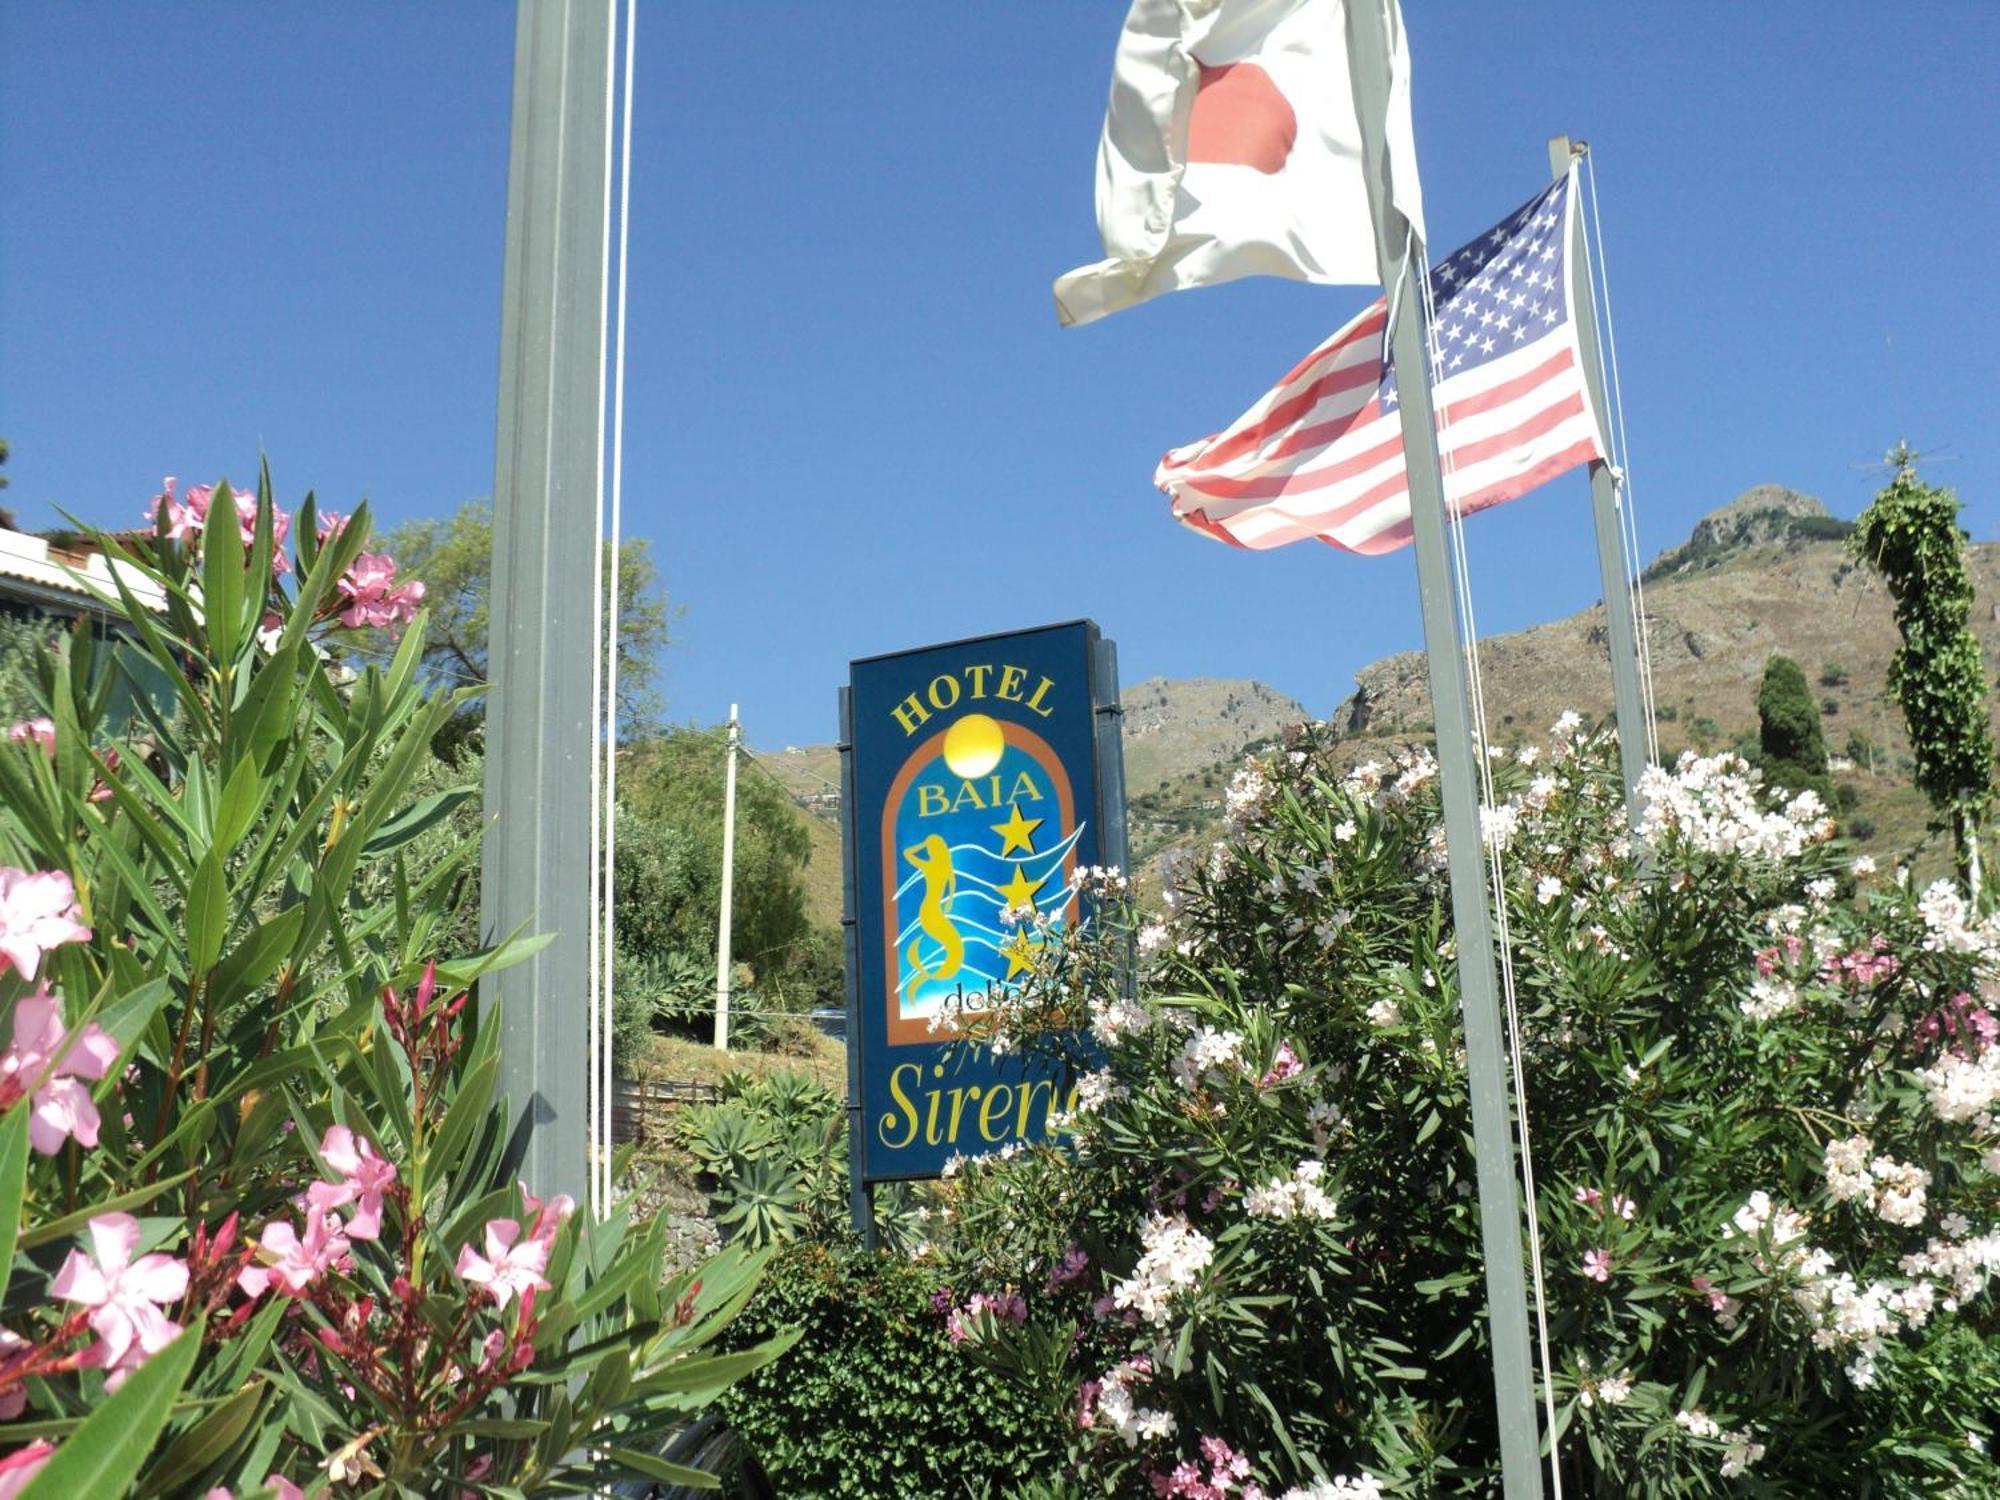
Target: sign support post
[860, 1198]
[1621, 630]
[1399, 254]
[537, 859]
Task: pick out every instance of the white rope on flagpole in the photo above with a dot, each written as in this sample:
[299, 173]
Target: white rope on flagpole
[610, 647]
[1498, 874]
[593, 1100]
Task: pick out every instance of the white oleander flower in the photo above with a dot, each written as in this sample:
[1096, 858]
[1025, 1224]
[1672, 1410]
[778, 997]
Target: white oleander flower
[1697, 1423]
[1173, 1255]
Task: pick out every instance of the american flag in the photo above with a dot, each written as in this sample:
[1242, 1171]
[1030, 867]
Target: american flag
[1322, 454]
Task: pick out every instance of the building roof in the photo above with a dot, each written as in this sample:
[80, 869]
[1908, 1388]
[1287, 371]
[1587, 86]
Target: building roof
[35, 570]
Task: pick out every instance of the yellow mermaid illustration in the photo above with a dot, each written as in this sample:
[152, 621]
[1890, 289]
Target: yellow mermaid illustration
[932, 859]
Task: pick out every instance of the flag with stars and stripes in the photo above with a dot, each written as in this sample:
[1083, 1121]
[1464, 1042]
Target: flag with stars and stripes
[1322, 454]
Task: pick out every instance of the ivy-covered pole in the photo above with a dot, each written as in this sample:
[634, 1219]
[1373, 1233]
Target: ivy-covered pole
[1938, 675]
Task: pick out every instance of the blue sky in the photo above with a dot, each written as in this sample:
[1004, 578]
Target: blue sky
[853, 424]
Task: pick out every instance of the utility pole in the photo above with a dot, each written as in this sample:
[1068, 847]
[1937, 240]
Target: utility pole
[728, 884]
[1606, 503]
[546, 491]
[1399, 255]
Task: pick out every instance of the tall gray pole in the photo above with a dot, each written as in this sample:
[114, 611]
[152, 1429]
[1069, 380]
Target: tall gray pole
[728, 885]
[539, 734]
[1500, 1221]
[1621, 631]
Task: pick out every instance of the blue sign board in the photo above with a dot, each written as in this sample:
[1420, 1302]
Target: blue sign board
[979, 779]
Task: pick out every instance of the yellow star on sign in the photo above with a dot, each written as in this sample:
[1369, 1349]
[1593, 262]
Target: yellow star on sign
[1019, 953]
[1019, 892]
[1017, 832]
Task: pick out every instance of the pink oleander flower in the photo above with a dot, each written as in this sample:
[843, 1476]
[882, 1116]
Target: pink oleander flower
[277, 1484]
[45, 1059]
[40, 731]
[14, 1400]
[1068, 1269]
[511, 1265]
[364, 1177]
[183, 519]
[1864, 966]
[329, 525]
[1005, 1307]
[1285, 1065]
[1597, 1264]
[124, 1296]
[1589, 1197]
[294, 1263]
[22, 1465]
[550, 1214]
[1086, 1403]
[491, 1348]
[38, 912]
[1962, 1022]
[374, 598]
[186, 518]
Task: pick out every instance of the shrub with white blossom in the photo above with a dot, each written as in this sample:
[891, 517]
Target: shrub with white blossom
[1762, 1082]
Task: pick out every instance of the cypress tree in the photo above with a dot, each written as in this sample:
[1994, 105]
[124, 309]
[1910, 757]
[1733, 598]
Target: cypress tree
[1789, 732]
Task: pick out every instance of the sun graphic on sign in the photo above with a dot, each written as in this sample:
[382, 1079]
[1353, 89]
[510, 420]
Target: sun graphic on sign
[973, 746]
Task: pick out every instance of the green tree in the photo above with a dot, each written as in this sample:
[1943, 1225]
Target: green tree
[453, 555]
[672, 785]
[1938, 675]
[1789, 737]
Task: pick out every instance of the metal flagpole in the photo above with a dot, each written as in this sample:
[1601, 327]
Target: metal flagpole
[728, 885]
[1620, 629]
[540, 740]
[1399, 253]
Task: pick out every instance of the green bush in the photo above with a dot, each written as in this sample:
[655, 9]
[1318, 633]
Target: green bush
[874, 1402]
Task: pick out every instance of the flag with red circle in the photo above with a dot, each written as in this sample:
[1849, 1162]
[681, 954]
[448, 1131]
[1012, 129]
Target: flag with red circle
[1231, 148]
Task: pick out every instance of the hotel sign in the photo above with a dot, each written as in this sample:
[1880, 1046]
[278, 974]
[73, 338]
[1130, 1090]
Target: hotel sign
[979, 778]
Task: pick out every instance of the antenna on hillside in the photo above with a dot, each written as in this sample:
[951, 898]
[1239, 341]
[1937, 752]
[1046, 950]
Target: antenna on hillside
[1904, 458]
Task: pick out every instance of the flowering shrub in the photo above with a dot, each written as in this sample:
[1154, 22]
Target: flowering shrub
[1762, 1084]
[259, 1228]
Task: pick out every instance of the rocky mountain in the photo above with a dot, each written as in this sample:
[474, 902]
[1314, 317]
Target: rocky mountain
[1768, 573]
[1178, 726]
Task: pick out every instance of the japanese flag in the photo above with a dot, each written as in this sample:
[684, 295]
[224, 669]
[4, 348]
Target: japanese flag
[1231, 148]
